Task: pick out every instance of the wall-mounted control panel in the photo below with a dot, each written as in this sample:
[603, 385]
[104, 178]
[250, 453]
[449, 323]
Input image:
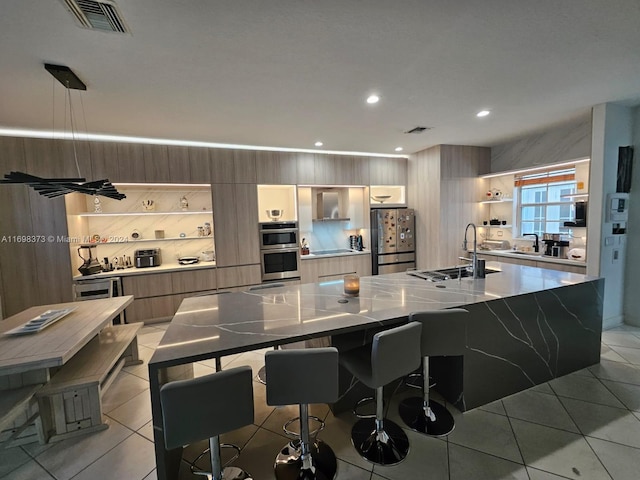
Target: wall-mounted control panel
[617, 207]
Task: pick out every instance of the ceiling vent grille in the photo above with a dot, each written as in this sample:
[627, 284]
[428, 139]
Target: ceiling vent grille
[417, 130]
[102, 15]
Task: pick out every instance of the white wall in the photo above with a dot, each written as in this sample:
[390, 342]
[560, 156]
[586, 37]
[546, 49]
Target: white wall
[611, 128]
[632, 275]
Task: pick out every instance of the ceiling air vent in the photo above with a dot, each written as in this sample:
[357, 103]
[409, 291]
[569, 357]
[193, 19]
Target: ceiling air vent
[418, 129]
[103, 15]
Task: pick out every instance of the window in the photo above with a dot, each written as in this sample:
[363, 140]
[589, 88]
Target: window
[543, 206]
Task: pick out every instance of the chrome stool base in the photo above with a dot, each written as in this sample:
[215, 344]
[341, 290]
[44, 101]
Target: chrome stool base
[288, 464]
[231, 473]
[389, 447]
[413, 415]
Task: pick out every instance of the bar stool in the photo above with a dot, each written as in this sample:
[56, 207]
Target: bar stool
[303, 376]
[262, 373]
[444, 332]
[206, 407]
[393, 354]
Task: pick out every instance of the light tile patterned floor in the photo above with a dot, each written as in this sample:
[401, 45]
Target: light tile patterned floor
[584, 426]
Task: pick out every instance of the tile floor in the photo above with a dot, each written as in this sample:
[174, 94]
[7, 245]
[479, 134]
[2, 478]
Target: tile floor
[584, 426]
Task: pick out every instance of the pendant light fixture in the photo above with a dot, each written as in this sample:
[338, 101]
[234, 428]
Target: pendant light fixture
[55, 187]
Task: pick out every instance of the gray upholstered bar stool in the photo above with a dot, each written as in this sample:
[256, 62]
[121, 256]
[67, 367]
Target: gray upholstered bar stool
[444, 333]
[262, 373]
[393, 354]
[206, 407]
[303, 376]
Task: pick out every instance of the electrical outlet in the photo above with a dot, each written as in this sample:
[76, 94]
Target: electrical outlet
[616, 256]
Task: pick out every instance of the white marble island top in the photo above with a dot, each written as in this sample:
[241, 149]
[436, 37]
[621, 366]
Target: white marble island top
[212, 326]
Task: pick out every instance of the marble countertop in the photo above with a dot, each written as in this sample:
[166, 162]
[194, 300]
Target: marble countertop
[218, 325]
[321, 254]
[532, 256]
[164, 268]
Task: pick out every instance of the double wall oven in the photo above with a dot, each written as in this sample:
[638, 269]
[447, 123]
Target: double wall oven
[279, 250]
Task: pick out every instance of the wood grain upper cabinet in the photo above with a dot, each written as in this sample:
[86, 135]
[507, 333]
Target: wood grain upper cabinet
[199, 165]
[130, 163]
[305, 168]
[44, 158]
[244, 166]
[387, 171]
[276, 168]
[235, 217]
[179, 164]
[353, 170]
[221, 166]
[326, 170]
[104, 161]
[156, 163]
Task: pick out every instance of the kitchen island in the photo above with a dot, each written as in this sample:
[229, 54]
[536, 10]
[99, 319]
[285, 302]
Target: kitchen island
[527, 325]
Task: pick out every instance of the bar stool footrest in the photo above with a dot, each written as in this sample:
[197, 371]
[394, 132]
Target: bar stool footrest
[296, 435]
[198, 471]
[361, 402]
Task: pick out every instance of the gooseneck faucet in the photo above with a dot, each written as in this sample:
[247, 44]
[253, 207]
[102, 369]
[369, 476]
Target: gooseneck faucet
[474, 259]
[536, 245]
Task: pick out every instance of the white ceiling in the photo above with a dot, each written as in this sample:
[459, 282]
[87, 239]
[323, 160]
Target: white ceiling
[286, 73]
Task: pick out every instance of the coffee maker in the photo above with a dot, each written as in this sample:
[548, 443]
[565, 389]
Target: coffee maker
[91, 264]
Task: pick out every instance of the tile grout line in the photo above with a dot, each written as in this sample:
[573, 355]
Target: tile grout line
[584, 437]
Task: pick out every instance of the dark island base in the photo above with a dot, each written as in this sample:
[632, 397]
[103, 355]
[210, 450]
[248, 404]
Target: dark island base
[513, 344]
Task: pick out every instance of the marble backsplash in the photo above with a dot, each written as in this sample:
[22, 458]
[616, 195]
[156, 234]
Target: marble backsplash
[565, 142]
[330, 236]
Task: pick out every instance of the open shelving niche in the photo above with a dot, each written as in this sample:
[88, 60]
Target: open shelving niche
[120, 218]
[502, 208]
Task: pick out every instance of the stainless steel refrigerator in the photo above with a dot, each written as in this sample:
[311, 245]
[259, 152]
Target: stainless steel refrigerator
[392, 240]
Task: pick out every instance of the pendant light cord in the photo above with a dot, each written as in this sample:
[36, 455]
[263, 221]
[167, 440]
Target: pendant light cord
[73, 133]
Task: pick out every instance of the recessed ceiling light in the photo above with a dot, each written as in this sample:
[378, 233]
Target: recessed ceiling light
[373, 99]
[318, 144]
[398, 149]
[483, 113]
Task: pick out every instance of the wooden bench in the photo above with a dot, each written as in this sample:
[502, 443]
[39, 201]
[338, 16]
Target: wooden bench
[15, 417]
[71, 402]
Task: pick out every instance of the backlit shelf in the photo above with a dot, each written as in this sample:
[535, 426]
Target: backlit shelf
[139, 214]
[502, 200]
[143, 240]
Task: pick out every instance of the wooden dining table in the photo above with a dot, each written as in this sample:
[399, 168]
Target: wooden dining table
[27, 360]
[56, 344]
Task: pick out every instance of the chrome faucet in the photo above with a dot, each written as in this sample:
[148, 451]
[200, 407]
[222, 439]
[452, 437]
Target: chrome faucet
[474, 259]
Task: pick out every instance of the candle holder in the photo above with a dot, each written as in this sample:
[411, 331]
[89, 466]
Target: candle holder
[351, 285]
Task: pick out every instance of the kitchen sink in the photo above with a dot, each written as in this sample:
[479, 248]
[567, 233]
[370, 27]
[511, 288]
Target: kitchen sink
[446, 273]
[531, 254]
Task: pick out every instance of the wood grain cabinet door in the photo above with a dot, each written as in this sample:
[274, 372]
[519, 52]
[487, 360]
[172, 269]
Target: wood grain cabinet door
[130, 163]
[235, 216]
[152, 285]
[194, 280]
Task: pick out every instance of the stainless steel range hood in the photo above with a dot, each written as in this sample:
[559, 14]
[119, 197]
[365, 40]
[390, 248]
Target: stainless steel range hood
[328, 207]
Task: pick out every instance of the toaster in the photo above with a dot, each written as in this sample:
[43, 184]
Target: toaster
[147, 258]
